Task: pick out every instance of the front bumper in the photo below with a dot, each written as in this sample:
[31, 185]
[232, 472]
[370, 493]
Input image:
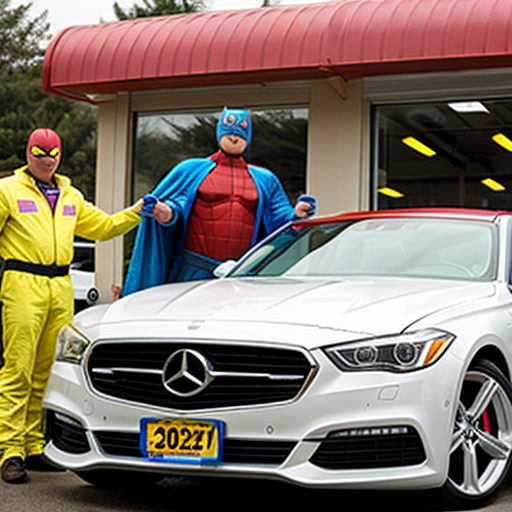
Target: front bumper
[348, 430]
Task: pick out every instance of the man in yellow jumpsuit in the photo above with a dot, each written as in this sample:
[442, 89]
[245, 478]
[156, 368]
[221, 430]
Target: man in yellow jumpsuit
[40, 213]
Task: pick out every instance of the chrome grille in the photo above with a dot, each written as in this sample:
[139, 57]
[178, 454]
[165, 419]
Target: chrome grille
[238, 375]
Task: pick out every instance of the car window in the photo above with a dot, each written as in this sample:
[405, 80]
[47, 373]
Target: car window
[435, 248]
[83, 258]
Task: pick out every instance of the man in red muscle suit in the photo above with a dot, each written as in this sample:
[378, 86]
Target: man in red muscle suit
[212, 209]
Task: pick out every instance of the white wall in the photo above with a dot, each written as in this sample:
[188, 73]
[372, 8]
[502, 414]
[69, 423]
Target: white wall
[335, 148]
[112, 180]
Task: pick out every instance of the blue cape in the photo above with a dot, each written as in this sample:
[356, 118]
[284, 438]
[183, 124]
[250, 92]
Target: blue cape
[156, 256]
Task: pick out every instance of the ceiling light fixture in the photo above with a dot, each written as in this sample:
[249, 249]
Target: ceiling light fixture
[468, 107]
[503, 141]
[493, 185]
[418, 146]
[390, 192]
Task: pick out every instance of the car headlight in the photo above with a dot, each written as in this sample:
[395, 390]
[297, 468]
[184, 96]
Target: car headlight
[71, 345]
[401, 353]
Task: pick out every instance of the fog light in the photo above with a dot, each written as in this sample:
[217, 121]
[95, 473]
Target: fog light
[372, 431]
[66, 419]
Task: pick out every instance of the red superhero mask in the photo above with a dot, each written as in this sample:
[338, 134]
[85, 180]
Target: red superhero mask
[44, 142]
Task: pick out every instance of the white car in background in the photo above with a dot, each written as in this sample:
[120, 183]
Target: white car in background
[370, 350]
[82, 275]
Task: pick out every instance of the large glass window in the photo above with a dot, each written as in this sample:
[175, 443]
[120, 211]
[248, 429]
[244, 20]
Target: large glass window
[444, 154]
[164, 139]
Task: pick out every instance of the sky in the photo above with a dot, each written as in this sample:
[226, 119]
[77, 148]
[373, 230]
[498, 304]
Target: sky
[62, 14]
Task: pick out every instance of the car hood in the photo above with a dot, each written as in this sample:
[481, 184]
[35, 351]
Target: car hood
[365, 305]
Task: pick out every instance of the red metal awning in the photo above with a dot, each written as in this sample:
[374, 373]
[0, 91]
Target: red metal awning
[353, 39]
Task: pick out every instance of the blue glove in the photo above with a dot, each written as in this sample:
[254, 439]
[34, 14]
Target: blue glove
[148, 206]
[310, 200]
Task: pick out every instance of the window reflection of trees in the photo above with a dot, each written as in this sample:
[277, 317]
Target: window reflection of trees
[164, 139]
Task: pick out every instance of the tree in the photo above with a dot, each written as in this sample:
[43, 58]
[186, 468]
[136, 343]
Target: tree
[21, 37]
[24, 106]
[158, 8]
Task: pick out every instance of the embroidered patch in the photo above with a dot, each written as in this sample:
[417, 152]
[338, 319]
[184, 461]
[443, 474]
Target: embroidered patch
[27, 206]
[69, 210]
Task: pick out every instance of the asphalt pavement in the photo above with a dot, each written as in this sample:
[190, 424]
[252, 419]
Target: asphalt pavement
[65, 492]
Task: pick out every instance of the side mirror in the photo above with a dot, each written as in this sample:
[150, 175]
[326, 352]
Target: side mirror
[224, 268]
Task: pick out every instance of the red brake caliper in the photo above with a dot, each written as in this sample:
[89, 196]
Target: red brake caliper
[487, 422]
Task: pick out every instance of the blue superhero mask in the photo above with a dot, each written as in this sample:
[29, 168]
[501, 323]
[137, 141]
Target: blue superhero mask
[235, 122]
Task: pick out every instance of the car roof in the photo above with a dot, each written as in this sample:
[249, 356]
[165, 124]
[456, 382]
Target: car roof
[437, 213]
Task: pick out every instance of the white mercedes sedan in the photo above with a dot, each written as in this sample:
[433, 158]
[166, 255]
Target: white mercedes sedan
[370, 350]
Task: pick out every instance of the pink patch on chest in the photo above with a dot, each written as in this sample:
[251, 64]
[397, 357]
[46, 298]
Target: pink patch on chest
[69, 210]
[27, 206]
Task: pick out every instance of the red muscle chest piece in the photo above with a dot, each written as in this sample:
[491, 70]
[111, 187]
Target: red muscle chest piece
[221, 223]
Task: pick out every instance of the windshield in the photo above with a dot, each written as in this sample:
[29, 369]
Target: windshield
[411, 247]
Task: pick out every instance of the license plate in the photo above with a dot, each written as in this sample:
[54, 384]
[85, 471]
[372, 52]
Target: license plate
[182, 440]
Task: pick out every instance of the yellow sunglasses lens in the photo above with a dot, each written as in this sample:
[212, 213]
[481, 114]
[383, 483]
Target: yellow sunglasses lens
[37, 151]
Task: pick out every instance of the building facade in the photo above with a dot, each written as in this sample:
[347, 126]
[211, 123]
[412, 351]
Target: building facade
[366, 104]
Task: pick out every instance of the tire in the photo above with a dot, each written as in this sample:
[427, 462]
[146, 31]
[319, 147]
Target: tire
[481, 448]
[92, 296]
[113, 479]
